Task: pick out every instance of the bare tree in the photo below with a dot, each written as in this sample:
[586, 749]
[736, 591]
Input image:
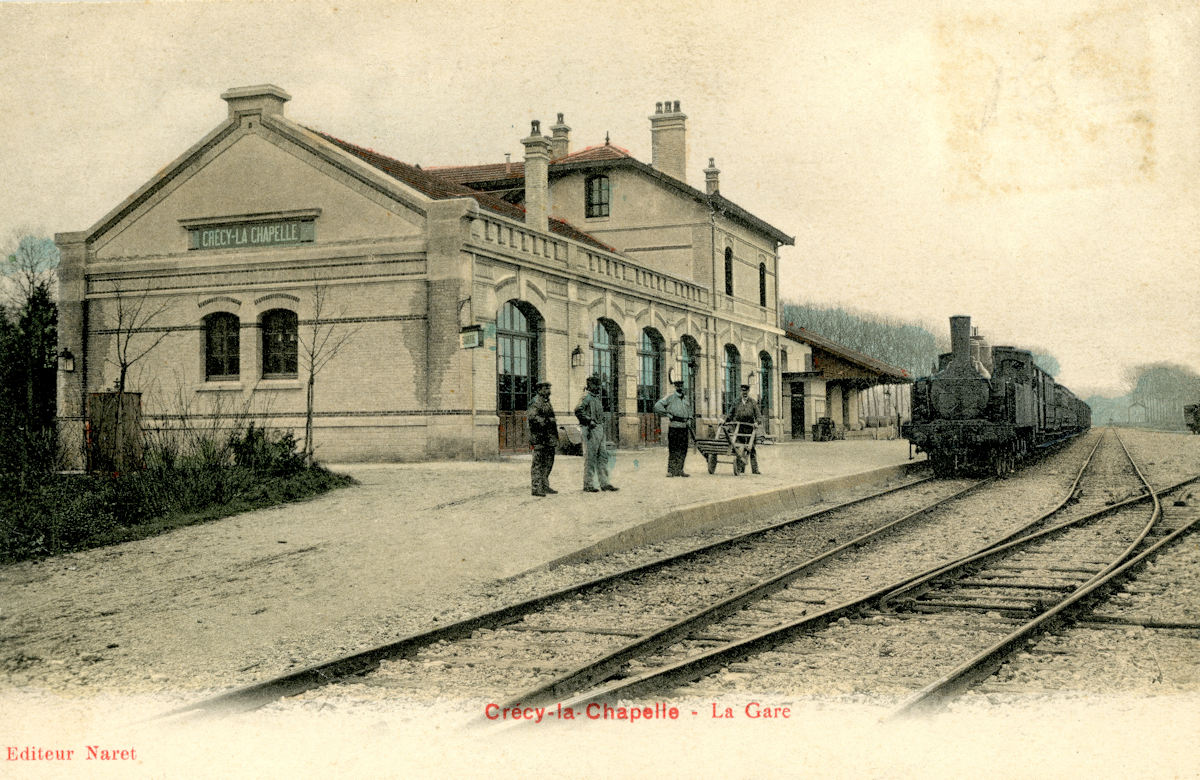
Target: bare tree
[321, 339]
[33, 263]
[138, 331]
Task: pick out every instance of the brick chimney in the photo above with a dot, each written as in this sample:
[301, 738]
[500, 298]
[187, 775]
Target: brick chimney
[668, 140]
[537, 178]
[712, 184]
[559, 145]
[265, 99]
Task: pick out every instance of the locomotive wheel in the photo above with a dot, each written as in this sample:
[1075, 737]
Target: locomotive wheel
[712, 464]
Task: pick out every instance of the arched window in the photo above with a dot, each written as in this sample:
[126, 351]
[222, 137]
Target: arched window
[733, 377]
[728, 271]
[222, 342]
[762, 284]
[279, 330]
[598, 196]
[764, 384]
[783, 364]
[517, 325]
[606, 338]
[649, 370]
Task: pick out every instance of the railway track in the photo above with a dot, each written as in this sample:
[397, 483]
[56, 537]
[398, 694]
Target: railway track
[972, 597]
[556, 645]
[697, 572]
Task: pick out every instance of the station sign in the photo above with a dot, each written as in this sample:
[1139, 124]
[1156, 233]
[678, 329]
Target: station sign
[282, 232]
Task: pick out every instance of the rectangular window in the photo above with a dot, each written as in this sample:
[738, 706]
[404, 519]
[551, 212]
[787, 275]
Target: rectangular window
[597, 196]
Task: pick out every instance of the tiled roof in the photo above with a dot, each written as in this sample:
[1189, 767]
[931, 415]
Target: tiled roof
[601, 152]
[441, 188]
[471, 174]
[490, 175]
[461, 174]
[806, 336]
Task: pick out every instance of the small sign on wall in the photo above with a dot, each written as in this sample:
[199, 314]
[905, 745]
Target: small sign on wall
[470, 337]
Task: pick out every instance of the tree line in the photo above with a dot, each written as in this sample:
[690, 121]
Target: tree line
[900, 343]
[1155, 396]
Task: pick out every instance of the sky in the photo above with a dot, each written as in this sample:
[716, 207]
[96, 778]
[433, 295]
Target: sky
[1035, 168]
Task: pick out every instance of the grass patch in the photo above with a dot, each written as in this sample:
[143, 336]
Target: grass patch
[68, 512]
[286, 490]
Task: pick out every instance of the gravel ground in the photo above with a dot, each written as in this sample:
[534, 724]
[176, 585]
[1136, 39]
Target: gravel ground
[253, 596]
[1086, 731]
[501, 664]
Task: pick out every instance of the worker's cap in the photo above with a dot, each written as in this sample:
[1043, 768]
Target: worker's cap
[540, 385]
[745, 387]
[678, 383]
[593, 381]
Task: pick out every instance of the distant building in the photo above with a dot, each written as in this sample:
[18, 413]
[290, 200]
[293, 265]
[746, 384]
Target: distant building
[459, 288]
[833, 381]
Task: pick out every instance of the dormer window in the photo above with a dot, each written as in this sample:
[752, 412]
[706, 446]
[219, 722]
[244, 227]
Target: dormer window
[597, 196]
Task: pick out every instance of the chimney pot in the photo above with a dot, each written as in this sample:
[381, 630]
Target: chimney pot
[676, 106]
[537, 179]
[560, 143]
[658, 107]
[711, 182]
[668, 141]
[536, 127]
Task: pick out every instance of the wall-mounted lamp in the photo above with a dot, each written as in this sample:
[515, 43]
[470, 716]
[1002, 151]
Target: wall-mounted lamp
[577, 357]
[66, 361]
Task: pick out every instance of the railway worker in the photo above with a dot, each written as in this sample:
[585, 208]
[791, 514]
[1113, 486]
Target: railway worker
[746, 411]
[543, 437]
[590, 413]
[677, 407]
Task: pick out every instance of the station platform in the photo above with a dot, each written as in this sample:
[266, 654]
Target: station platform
[249, 596]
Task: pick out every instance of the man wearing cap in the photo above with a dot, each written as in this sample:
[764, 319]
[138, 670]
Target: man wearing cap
[746, 411]
[543, 437]
[676, 407]
[590, 413]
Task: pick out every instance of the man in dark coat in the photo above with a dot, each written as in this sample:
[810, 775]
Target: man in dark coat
[676, 407]
[543, 437]
[746, 411]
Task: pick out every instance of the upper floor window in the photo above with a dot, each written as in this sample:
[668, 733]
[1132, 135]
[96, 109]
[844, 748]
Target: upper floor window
[221, 346]
[728, 271]
[762, 284]
[597, 196]
[279, 331]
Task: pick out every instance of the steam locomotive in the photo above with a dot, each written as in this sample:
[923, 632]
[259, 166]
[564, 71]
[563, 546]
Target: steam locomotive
[989, 408]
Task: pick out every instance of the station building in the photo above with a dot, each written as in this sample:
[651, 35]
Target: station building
[430, 300]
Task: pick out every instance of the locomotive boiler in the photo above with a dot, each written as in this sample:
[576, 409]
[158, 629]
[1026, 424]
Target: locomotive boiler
[989, 408]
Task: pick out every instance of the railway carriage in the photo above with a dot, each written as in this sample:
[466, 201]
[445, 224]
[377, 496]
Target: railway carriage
[1191, 416]
[988, 408]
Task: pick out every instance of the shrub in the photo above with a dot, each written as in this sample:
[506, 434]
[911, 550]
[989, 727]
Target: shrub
[62, 512]
[257, 451]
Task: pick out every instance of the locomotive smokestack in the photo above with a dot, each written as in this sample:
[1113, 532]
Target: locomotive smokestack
[960, 339]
